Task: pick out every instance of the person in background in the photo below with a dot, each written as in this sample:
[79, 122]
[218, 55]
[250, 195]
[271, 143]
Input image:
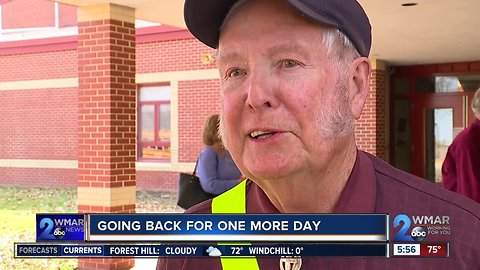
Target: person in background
[216, 169]
[461, 167]
[295, 75]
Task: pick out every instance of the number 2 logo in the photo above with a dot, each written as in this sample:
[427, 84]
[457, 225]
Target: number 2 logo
[402, 233]
[46, 224]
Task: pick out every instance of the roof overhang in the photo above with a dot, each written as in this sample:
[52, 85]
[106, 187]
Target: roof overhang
[430, 32]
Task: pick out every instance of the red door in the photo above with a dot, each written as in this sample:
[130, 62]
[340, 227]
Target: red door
[436, 119]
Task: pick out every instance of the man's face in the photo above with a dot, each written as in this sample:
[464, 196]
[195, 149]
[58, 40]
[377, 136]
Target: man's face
[278, 91]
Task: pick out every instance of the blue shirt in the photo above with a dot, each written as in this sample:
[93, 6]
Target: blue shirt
[217, 173]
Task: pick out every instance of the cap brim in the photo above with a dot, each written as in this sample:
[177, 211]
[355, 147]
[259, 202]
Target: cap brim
[309, 13]
[204, 18]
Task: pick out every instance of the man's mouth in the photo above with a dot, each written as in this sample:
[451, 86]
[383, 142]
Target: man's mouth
[258, 134]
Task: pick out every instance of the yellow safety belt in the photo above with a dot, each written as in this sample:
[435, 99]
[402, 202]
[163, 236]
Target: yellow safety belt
[234, 202]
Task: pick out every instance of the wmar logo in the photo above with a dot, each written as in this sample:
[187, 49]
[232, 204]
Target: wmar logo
[63, 227]
[49, 233]
[403, 221]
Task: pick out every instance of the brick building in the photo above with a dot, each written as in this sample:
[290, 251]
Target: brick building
[40, 102]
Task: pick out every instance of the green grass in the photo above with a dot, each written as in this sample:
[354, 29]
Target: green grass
[38, 199]
[17, 222]
[19, 205]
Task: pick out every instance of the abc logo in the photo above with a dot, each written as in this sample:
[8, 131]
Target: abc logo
[59, 232]
[418, 233]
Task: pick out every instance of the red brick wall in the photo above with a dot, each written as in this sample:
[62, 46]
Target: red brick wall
[171, 55]
[39, 66]
[196, 101]
[27, 132]
[378, 84]
[40, 13]
[38, 124]
[105, 263]
[151, 180]
[35, 177]
[370, 128]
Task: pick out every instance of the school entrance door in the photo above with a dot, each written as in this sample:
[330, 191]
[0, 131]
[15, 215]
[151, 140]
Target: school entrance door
[437, 119]
[425, 120]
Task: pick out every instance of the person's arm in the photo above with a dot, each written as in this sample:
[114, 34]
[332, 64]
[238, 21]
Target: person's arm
[207, 172]
[449, 174]
[467, 160]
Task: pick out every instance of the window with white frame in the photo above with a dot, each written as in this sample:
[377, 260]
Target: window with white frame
[154, 123]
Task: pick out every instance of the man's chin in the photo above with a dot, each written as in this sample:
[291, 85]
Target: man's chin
[268, 173]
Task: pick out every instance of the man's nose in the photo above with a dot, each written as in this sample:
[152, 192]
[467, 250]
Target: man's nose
[261, 93]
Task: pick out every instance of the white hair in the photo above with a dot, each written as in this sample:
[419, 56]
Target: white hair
[338, 119]
[340, 49]
[335, 119]
[476, 103]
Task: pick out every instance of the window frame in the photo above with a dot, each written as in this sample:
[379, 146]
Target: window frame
[156, 112]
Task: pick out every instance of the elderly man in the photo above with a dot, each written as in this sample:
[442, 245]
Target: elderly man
[294, 77]
[461, 168]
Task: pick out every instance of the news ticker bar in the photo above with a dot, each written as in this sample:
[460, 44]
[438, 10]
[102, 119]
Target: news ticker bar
[213, 227]
[31, 250]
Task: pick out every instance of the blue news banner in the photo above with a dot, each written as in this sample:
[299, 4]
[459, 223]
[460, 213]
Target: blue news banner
[237, 227]
[208, 227]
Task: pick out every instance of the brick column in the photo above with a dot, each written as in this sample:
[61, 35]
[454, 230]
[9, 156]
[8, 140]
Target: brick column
[106, 116]
[370, 129]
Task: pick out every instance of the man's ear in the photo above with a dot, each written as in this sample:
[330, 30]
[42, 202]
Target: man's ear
[359, 85]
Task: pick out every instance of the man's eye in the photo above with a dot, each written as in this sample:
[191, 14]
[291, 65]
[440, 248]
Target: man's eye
[288, 63]
[235, 73]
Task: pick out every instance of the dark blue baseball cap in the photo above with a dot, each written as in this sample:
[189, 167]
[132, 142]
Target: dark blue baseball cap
[204, 18]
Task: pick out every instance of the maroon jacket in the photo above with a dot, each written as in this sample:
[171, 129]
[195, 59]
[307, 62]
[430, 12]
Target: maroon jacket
[461, 168]
[375, 187]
